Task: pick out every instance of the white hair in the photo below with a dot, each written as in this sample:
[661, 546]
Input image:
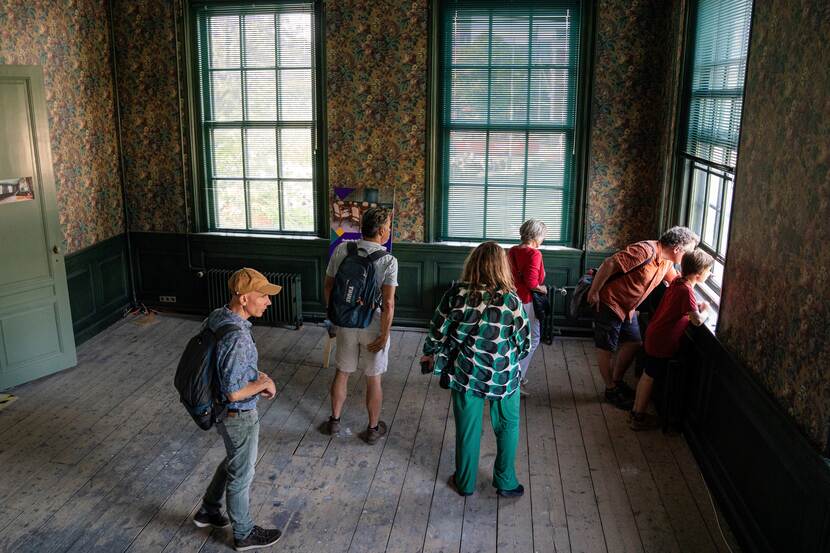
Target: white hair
[533, 229]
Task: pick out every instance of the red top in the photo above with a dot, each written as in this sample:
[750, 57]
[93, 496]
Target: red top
[669, 323]
[528, 270]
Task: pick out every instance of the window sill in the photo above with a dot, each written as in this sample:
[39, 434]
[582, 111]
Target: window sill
[710, 297]
[265, 236]
[543, 248]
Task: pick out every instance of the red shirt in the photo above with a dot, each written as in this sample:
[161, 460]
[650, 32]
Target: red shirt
[528, 270]
[666, 328]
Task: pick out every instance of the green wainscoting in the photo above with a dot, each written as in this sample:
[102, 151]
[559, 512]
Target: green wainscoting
[595, 259]
[164, 268]
[770, 482]
[99, 286]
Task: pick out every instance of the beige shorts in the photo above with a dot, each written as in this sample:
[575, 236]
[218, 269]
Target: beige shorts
[351, 353]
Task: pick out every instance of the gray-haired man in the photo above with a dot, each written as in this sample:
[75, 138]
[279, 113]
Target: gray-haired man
[365, 348]
[636, 270]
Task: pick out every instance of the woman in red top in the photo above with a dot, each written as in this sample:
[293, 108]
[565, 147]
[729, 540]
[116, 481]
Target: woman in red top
[529, 276]
[677, 309]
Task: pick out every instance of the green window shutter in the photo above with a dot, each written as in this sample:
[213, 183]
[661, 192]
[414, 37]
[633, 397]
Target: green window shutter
[717, 83]
[509, 74]
[257, 107]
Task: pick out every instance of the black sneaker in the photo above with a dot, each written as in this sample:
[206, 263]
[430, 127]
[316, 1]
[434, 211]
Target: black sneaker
[518, 491]
[258, 538]
[618, 399]
[626, 390]
[372, 435]
[451, 483]
[204, 518]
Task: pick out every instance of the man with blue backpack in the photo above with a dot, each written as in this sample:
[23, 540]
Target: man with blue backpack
[240, 384]
[359, 292]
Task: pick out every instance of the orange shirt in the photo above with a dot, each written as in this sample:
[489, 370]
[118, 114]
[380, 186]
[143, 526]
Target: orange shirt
[624, 293]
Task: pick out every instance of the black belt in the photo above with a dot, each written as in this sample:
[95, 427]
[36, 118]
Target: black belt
[235, 412]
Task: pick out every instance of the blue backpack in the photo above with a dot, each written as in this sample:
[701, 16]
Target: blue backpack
[356, 294]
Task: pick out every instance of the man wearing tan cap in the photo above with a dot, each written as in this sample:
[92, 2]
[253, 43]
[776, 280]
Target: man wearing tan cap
[241, 383]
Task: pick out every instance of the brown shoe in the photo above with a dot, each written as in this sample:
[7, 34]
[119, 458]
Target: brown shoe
[331, 427]
[643, 421]
[372, 435]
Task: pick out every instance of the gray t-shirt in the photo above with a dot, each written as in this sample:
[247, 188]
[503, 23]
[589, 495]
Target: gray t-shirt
[386, 268]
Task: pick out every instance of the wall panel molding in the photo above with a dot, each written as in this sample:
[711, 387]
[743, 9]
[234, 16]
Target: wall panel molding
[98, 281]
[425, 270]
[770, 481]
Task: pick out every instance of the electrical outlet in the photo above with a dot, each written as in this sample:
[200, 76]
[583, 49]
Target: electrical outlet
[167, 299]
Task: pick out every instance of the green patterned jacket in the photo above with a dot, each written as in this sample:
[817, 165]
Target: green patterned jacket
[490, 333]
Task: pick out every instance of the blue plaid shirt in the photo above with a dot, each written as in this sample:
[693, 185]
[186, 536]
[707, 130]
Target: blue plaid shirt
[236, 356]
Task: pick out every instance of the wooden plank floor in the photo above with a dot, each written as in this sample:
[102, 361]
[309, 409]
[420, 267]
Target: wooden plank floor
[102, 457]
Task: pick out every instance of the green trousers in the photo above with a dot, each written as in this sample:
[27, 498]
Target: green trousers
[504, 416]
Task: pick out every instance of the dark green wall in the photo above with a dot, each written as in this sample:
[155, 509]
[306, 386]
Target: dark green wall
[99, 286]
[768, 479]
[425, 270]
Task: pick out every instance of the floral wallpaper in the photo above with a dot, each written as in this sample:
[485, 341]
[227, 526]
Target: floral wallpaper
[629, 114]
[376, 111]
[376, 58]
[776, 303]
[71, 42]
[376, 61]
[146, 49]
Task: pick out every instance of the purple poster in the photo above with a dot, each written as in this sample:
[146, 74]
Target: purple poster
[347, 207]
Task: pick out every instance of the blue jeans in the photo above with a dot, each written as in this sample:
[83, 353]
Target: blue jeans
[236, 472]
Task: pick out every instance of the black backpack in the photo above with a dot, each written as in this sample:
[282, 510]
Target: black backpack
[356, 294]
[197, 377]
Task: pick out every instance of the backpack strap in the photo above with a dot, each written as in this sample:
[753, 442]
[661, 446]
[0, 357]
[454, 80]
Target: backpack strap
[647, 261]
[640, 266]
[224, 330]
[374, 256]
[351, 248]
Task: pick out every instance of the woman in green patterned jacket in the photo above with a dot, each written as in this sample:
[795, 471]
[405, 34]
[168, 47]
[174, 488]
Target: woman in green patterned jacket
[476, 338]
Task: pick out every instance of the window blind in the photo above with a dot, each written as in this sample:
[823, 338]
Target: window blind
[509, 74]
[717, 83]
[257, 107]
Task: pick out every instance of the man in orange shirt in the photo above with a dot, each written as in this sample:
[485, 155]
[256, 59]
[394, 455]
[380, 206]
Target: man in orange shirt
[623, 281]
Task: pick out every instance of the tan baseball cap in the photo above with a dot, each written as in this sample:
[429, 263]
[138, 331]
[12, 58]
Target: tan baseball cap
[250, 280]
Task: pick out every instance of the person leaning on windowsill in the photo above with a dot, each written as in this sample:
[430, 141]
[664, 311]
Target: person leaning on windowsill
[678, 308]
[637, 270]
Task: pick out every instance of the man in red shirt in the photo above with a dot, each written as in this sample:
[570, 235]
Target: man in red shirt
[621, 284]
[677, 309]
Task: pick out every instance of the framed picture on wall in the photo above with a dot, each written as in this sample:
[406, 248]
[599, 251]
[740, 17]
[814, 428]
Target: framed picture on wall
[19, 189]
[347, 208]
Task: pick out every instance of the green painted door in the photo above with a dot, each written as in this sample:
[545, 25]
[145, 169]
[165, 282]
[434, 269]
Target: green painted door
[35, 322]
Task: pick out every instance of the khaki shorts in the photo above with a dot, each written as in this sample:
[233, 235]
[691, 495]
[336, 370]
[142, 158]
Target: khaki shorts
[351, 353]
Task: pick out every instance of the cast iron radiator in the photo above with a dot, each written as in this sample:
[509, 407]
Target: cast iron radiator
[286, 307]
